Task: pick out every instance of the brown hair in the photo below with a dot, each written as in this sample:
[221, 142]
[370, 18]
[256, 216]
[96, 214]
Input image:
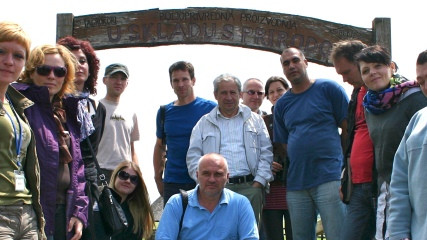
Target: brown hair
[183, 66]
[275, 79]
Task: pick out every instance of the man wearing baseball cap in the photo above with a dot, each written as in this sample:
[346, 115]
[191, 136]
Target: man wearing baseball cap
[121, 125]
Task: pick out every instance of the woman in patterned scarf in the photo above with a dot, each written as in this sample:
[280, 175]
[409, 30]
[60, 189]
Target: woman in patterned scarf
[91, 115]
[389, 105]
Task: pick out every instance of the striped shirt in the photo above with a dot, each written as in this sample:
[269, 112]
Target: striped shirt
[232, 145]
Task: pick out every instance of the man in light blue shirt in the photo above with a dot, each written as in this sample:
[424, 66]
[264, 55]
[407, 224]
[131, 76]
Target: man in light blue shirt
[213, 212]
[408, 187]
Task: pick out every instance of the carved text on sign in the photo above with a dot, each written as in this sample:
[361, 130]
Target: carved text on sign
[236, 27]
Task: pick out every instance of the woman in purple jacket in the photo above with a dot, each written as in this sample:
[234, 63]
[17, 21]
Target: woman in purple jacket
[48, 77]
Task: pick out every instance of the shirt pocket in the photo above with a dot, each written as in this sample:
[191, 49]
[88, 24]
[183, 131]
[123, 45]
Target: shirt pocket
[252, 139]
[209, 142]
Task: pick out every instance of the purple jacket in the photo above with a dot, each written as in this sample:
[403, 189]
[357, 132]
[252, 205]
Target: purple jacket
[40, 117]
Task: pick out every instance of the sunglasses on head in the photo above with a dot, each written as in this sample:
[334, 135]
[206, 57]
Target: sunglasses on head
[125, 176]
[252, 92]
[45, 70]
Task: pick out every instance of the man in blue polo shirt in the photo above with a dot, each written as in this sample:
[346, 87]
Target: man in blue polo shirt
[306, 122]
[213, 212]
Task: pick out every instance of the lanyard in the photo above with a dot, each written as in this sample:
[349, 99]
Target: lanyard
[18, 141]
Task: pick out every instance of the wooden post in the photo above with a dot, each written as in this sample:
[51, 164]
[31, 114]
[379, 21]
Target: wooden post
[64, 25]
[382, 32]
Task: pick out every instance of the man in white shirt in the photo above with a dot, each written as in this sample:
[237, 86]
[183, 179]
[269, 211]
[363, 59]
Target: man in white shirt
[238, 134]
[121, 125]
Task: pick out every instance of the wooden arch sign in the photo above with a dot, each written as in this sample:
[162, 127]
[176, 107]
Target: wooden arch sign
[267, 31]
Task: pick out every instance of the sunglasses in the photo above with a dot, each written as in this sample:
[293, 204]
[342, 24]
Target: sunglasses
[252, 92]
[45, 70]
[125, 176]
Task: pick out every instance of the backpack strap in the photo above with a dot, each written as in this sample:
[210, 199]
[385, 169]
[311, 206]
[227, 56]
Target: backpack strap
[162, 123]
[184, 199]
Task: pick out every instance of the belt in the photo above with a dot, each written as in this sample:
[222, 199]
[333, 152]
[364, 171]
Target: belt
[241, 179]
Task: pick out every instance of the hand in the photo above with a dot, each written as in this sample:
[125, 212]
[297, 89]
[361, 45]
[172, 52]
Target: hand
[257, 185]
[276, 167]
[78, 228]
[159, 183]
[90, 172]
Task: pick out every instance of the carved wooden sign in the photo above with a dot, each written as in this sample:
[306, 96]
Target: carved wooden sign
[261, 30]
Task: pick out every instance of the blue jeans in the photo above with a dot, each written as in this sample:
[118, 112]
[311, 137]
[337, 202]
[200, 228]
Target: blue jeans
[359, 223]
[305, 204]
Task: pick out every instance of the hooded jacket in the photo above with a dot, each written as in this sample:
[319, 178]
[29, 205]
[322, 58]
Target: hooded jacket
[40, 117]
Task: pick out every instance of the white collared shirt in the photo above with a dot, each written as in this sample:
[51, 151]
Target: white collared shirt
[232, 145]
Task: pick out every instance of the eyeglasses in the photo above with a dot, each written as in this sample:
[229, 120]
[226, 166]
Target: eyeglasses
[125, 176]
[45, 70]
[252, 92]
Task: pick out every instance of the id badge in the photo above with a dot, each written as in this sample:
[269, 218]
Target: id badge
[19, 180]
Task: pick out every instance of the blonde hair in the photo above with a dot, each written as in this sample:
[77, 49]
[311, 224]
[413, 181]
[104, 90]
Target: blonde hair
[37, 57]
[10, 31]
[138, 201]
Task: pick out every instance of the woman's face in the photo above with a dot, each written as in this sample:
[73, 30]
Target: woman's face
[125, 187]
[82, 72]
[52, 79]
[12, 60]
[376, 76]
[275, 91]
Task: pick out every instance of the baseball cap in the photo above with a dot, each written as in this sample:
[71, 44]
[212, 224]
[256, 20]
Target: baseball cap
[116, 67]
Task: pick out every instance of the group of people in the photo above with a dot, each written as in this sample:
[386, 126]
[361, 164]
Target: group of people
[318, 153]
[225, 169]
[382, 105]
[52, 136]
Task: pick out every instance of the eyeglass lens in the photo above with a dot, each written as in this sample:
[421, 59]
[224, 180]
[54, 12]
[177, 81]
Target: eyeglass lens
[125, 176]
[252, 92]
[45, 70]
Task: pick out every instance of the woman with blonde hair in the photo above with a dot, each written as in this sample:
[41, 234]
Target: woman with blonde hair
[127, 182]
[20, 209]
[48, 81]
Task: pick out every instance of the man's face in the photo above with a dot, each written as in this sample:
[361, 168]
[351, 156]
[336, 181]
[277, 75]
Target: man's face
[212, 176]
[349, 72]
[294, 66]
[253, 94]
[422, 77]
[182, 83]
[228, 98]
[116, 84]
